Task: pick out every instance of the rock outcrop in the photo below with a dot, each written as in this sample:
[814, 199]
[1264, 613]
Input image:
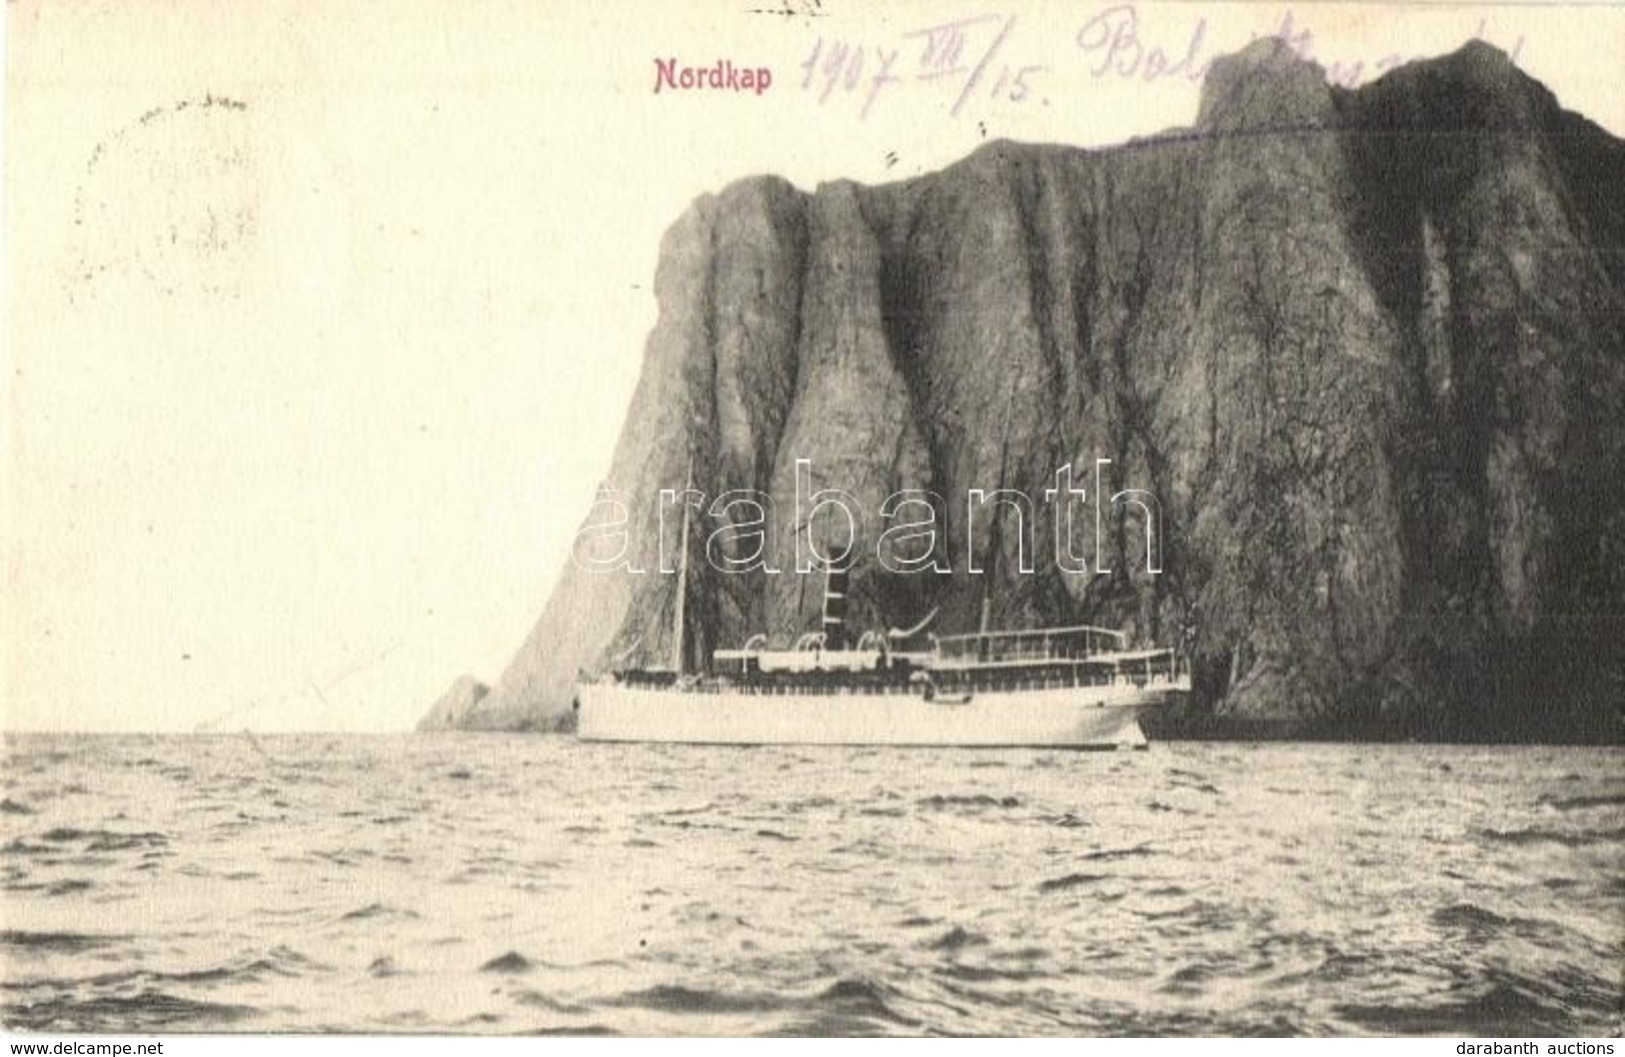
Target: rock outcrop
[456, 705]
[1364, 347]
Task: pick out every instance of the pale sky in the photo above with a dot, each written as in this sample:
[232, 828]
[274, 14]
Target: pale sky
[309, 381]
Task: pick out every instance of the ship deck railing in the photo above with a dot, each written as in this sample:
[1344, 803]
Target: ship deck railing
[1115, 659]
[951, 681]
[1066, 643]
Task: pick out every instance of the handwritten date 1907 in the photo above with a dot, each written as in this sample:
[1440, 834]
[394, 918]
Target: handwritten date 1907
[962, 53]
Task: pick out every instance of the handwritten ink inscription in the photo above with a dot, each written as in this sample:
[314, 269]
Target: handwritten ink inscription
[977, 60]
[963, 54]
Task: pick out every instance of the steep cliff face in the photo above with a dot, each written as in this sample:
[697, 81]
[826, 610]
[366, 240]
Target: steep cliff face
[1364, 348]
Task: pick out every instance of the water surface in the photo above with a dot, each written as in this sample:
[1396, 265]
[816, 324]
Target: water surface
[488, 883]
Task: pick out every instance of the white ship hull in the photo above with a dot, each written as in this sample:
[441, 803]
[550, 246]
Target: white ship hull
[1104, 717]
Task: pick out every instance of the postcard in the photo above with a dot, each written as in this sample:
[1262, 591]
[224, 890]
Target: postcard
[807, 518]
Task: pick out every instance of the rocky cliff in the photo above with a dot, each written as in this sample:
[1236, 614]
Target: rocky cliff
[1364, 347]
[455, 706]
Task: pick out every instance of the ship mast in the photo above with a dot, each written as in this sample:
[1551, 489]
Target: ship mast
[995, 541]
[681, 605]
[833, 622]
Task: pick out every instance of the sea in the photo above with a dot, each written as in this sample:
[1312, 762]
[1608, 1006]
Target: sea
[484, 883]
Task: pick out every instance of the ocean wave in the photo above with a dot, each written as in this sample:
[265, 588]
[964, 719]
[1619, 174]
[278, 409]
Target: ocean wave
[512, 962]
[51, 889]
[1110, 854]
[60, 942]
[104, 840]
[148, 1011]
[378, 910]
[1499, 1007]
[1581, 803]
[1543, 835]
[975, 800]
[957, 938]
[680, 998]
[1071, 880]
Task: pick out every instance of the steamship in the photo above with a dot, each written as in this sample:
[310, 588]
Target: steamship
[1075, 687]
